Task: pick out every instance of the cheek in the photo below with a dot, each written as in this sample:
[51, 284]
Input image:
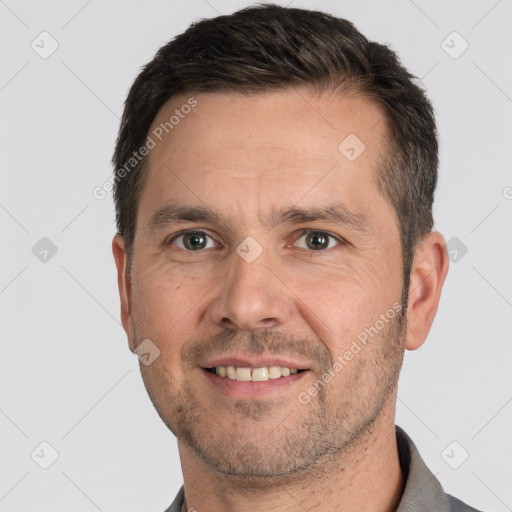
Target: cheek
[160, 303]
[340, 305]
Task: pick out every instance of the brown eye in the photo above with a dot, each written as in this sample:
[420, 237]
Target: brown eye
[317, 240]
[193, 241]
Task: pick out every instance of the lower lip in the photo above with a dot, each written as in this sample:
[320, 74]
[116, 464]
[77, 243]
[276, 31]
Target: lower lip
[252, 389]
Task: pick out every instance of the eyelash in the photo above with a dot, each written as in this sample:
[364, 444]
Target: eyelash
[303, 232]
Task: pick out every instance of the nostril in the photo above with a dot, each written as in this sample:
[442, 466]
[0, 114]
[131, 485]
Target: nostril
[229, 324]
[266, 323]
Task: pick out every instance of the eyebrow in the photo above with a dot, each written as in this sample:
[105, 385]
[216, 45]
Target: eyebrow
[336, 213]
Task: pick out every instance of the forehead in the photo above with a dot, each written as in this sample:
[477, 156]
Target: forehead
[309, 125]
[236, 150]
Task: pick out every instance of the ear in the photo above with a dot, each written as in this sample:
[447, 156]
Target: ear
[123, 281]
[428, 272]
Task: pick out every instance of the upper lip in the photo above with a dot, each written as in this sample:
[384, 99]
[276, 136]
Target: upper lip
[253, 362]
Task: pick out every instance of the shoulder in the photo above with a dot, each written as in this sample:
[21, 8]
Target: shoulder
[423, 491]
[460, 506]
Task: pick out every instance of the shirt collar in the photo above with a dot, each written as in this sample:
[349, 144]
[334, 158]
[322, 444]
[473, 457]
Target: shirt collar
[422, 491]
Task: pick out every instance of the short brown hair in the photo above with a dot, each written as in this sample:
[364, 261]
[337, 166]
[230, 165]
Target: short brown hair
[268, 47]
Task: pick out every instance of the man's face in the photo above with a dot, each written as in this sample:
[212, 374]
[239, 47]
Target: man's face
[262, 285]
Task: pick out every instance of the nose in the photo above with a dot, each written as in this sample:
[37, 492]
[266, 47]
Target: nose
[252, 297]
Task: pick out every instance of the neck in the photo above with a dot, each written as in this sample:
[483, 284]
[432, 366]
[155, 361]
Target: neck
[365, 477]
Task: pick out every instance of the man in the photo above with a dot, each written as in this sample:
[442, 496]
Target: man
[275, 174]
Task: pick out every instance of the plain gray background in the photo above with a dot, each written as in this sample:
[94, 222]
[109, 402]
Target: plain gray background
[67, 376]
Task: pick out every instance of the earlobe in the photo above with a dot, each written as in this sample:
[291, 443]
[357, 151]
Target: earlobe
[123, 282]
[428, 272]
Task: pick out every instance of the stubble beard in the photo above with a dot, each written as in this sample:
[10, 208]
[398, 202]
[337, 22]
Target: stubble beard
[263, 442]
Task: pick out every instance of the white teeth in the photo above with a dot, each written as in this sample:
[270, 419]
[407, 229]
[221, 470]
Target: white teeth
[255, 374]
[274, 372]
[259, 374]
[243, 374]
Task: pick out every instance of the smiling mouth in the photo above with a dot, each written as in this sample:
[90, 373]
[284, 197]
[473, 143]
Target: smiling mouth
[246, 374]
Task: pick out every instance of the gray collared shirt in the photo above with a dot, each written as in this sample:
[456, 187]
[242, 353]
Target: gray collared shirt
[422, 493]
